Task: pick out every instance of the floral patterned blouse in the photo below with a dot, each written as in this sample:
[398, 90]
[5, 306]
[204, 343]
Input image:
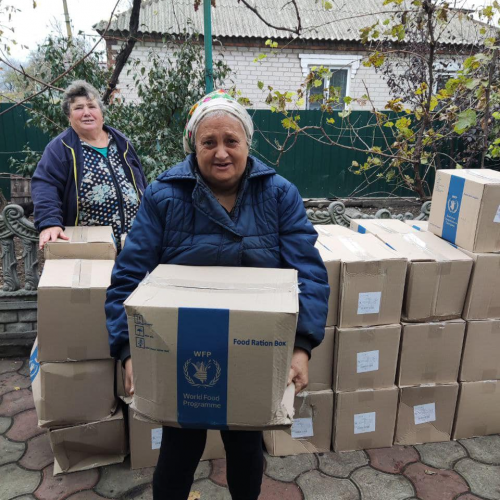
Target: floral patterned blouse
[106, 196]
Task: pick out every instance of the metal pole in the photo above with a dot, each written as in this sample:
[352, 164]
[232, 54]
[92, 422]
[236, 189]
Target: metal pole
[66, 17]
[209, 74]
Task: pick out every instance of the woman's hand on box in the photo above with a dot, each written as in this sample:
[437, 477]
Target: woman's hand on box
[129, 378]
[51, 234]
[299, 371]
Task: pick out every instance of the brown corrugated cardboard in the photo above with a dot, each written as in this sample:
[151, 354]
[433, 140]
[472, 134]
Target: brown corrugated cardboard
[430, 352]
[364, 419]
[483, 299]
[381, 226]
[145, 442]
[72, 393]
[123, 239]
[478, 409]
[88, 446]
[85, 242]
[321, 363]
[418, 225]
[438, 276]
[311, 431]
[332, 230]
[366, 358]
[371, 280]
[71, 317]
[465, 208]
[481, 359]
[425, 414]
[212, 346]
[332, 264]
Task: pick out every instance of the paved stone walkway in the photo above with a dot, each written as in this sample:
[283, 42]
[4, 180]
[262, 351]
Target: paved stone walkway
[465, 470]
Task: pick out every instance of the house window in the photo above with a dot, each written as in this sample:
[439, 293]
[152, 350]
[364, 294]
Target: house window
[337, 80]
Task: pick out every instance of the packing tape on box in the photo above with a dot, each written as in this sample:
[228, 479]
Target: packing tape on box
[80, 286]
[373, 268]
[491, 374]
[429, 376]
[77, 353]
[80, 234]
[495, 180]
[435, 330]
[352, 245]
[444, 267]
[384, 226]
[364, 396]
[90, 430]
[78, 372]
[489, 387]
[430, 390]
[414, 240]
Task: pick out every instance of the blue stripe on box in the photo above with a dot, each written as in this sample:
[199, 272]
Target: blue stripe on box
[361, 230]
[34, 364]
[416, 227]
[453, 205]
[202, 360]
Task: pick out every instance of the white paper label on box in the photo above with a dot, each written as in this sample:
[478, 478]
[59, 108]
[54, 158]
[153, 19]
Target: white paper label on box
[367, 361]
[302, 428]
[369, 302]
[156, 435]
[364, 422]
[497, 216]
[424, 413]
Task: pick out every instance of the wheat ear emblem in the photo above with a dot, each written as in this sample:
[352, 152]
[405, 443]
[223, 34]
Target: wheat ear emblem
[201, 373]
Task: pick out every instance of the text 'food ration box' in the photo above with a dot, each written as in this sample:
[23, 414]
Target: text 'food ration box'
[212, 346]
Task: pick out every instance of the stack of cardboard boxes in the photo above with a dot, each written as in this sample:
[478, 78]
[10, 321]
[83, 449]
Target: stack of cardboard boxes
[72, 372]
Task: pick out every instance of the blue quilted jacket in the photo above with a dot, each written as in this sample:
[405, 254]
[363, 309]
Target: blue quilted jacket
[181, 222]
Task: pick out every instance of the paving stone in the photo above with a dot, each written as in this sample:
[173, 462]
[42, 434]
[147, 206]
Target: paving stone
[25, 426]
[4, 424]
[64, 485]
[441, 455]
[141, 493]
[85, 495]
[203, 470]
[118, 479]
[39, 453]
[15, 402]
[218, 474]
[10, 451]
[376, 485]
[392, 460]
[435, 484]
[16, 481]
[210, 491]
[342, 464]
[9, 382]
[10, 365]
[26, 497]
[467, 496]
[288, 468]
[484, 480]
[278, 490]
[317, 486]
[25, 370]
[485, 449]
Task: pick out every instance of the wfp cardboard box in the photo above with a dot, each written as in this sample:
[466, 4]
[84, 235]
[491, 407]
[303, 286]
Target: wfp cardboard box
[438, 276]
[311, 430]
[332, 230]
[145, 442]
[372, 278]
[73, 392]
[481, 359]
[321, 363]
[88, 446]
[332, 264]
[465, 208]
[425, 414]
[364, 419]
[366, 358]
[478, 409]
[71, 317]
[381, 226]
[212, 346]
[483, 300]
[85, 242]
[418, 225]
[430, 352]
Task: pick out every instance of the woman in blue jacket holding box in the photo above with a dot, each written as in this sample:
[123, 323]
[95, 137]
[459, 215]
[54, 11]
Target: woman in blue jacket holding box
[219, 207]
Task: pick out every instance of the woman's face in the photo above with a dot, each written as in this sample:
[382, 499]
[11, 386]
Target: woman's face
[221, 151]
[85, 116]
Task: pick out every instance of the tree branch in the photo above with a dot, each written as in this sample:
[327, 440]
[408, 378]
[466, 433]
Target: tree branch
[22, 72]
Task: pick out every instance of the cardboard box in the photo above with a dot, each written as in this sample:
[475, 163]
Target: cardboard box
[321, 363]
[332, 264]
[478, 409]
[483, 300]
[88, 446]
[72, 393]
[332, 230]
[364, 419]
[123, 239]
[145, 442]
[85, 242]
[366, 358]
[438, 276]
[430, 352]
[425, 414]
[71, 316]
[311, 431]
[372, 280]
[481, 359]
[381, 226]
[212, 346]
[465, 208]
[418, 225]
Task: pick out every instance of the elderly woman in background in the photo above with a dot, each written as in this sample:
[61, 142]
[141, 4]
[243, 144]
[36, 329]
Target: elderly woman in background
[89, 175]
[219, 207]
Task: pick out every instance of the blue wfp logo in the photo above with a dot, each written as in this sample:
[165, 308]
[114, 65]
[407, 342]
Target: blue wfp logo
[453, 204]
[206, 371]
[34, 364]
